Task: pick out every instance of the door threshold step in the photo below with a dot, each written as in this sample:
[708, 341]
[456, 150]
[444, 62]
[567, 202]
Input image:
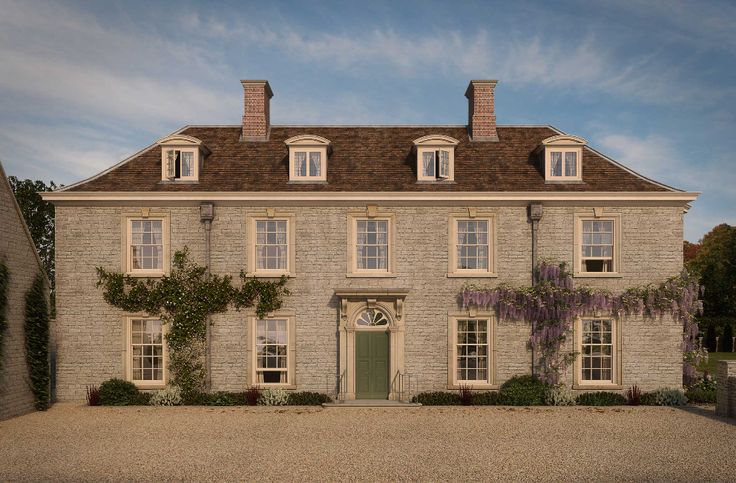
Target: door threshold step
[370, 403]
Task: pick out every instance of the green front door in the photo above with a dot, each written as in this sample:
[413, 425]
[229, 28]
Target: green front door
[371, 365]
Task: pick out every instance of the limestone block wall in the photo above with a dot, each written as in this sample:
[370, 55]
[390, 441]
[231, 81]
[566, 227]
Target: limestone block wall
[19, 255]
[91, 332]
[726, 389]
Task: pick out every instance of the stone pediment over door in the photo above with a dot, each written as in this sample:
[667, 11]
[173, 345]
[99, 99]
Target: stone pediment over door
[358, 307]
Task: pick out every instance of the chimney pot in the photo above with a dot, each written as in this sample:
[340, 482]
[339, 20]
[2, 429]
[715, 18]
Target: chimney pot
[257, 96]
[481, 111]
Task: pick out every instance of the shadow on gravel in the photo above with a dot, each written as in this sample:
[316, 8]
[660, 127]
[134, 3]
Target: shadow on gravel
[708, 412]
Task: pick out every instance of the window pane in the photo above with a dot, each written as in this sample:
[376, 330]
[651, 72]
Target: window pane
[428, 163]
[272, 350]
[571, 164]
[555, 164]
[300, 163]
[271, 246]
[146, 249]
[372, 244]
[472, 245]
[315, 164]
[186, 164]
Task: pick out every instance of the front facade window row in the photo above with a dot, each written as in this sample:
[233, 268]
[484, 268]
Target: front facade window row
[371, 245]
[471, 351]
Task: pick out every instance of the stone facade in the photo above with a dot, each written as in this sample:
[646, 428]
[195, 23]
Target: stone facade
[726, 391]
[91, 334]
[19, 254]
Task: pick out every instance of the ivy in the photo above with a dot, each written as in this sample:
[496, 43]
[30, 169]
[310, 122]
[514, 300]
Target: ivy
[4, 284]
[37, 342]
[553, 303]
[184, 300]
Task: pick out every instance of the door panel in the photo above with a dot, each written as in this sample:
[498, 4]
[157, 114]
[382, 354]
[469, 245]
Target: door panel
[371, 365]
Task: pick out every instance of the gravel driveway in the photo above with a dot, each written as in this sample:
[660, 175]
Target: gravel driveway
[74, 442]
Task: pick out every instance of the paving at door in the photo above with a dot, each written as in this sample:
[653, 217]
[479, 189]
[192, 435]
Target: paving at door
[71, 442]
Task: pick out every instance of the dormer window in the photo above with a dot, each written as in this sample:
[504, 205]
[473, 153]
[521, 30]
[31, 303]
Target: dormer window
[308, 158]
[435, 158]
[181, 158]
[562, 157]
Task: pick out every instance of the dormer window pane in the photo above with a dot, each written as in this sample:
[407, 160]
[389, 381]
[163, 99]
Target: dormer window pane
[555, 164]
[315, 164]
[571, 163]
[186, 164]
[428, 163]
[444, 171]
[300, 163]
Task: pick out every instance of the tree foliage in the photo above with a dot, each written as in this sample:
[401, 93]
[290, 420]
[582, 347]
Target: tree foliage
[715, 264]
[37, 342]
[184, 300]
[39, 216]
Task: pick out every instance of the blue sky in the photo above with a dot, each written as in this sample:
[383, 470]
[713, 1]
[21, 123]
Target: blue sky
[649, 83]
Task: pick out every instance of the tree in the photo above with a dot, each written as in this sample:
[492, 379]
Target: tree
[39, 216]
[715, 264]
[727, 339]
[710, 338]
[689, 251]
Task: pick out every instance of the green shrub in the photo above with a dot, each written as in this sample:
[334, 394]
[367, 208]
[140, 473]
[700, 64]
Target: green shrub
[437, 398]
[489, 398]
[273, 397]
[701, 396]
[116, 392]
[601, 398]
[223, 399]
[307, 398]
[559, 395]
[648, 399]
[168, 396]
[666, 397]
[523, 391]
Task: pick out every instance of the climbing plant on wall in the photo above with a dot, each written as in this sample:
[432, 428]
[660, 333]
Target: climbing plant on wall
[36, 329]
[184, 300]
[4, 284]
[553, 303]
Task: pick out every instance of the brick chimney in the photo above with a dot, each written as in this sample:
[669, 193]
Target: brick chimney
[481, 114]
[257, 96]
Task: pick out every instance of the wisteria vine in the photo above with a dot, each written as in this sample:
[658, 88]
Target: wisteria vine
[553, 303]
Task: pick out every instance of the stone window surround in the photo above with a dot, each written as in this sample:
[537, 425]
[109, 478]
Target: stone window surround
[597, 214]
[471, 214]
[435, 142]
[127, 352]
[352, 304]
[145, 214]
[452, 318]
[270, 214]
[616, 338]
[371, 213]
[308, 143]
[251, 353]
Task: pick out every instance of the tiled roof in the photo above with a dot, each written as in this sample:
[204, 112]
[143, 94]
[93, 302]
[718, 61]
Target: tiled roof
[367, 158]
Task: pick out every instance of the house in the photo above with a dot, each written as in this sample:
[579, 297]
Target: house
[379, 228]
[18, 255]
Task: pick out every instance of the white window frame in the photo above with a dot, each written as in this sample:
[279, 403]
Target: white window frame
[251, 233]
[168, 169]
[563, 143]
[128, 353]
[616, 365]
[452, 380]
[252, 352]
[452, 261]
[353, 270]
[184, 144]
[578, 245]
[308, 143]
[127, 262]
[436, 144]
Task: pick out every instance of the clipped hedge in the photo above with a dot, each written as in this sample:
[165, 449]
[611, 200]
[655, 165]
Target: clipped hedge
[308, 398]
[601, 398]
[664, 397]
[701, 396]
[523, 391]
[437, 398]
[489, 398]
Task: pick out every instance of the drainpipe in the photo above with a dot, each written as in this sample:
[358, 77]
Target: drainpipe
[206, 215]
[535, 214]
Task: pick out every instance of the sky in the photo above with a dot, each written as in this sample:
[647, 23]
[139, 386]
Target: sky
[649, 83]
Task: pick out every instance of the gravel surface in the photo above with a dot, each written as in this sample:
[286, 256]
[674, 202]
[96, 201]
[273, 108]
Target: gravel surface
[78, 443]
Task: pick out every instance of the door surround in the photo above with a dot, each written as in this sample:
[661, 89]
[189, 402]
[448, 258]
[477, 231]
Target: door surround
[353, 302]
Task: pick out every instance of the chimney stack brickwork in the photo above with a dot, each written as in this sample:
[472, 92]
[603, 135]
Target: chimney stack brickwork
[257, 96]
[481, 111]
